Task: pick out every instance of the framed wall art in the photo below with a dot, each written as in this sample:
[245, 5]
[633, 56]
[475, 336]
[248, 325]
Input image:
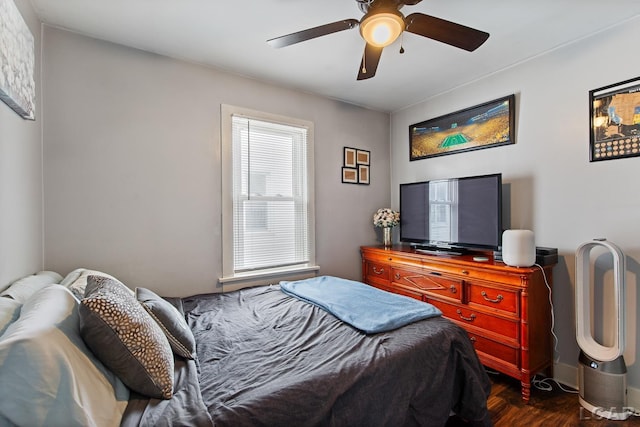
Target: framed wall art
[350, 157]
[362, 157]
[614, 118]
[355, 169]
[17, 62]
[486, 125]
[363, 174]
[349, 175]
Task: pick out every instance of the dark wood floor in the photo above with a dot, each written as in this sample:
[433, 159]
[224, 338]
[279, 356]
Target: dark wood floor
[553, 408]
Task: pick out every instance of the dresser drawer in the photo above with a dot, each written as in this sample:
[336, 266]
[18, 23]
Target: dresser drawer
[468, 316]
[396, 290]
[430, 283]
[502, 299]
[494, 348]
[378, 273]
[402, 291]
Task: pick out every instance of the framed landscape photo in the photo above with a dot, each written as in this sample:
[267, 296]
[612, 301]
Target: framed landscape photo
[614, 117]
[486, 125]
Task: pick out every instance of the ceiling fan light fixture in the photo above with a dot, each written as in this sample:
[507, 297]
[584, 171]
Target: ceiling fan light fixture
[382, 28]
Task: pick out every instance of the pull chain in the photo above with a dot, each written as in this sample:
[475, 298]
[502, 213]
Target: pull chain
[364, 62]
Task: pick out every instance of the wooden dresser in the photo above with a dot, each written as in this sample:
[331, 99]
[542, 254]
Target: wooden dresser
[505, 310]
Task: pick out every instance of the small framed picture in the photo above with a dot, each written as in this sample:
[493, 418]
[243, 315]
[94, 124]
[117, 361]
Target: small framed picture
[362, 157]
[349, 175]
[615, 121]
[363, 174]
[350, 157]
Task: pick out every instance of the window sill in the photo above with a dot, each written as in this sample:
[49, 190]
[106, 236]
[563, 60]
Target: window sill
[266, 277]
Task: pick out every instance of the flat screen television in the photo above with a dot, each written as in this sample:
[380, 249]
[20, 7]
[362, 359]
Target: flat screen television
[455, 214]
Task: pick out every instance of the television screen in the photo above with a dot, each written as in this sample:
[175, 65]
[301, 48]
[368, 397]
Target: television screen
[452, 213]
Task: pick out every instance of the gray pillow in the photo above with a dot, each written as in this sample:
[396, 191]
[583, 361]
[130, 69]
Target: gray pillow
[22, 289]
[125, 337]
[171, 321]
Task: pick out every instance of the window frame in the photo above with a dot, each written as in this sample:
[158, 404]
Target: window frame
[230, 279]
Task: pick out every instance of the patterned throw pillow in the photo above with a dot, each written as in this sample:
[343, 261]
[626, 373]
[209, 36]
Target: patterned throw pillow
[125, 337]
[171, 321]
[76, 281]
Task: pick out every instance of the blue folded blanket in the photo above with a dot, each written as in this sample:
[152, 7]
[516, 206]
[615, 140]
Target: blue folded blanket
[364, 307]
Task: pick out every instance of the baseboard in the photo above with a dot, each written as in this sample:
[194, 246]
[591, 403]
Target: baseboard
[567, 374]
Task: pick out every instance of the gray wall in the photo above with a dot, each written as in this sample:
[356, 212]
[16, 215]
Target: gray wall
[554, 189]
[21, 179]
[132, 165]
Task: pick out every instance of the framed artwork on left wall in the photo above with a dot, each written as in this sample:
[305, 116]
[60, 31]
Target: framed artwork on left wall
[17, 62]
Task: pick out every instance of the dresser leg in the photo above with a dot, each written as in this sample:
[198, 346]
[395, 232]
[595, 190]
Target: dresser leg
[526, 389]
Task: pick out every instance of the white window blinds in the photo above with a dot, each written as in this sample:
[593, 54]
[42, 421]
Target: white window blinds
[270, 195]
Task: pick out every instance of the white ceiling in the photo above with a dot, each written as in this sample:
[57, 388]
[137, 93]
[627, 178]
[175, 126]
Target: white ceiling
[231, 35]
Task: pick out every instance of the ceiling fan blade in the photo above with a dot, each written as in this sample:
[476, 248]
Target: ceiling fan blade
[369, 63]
[445, 31]
[314, 32]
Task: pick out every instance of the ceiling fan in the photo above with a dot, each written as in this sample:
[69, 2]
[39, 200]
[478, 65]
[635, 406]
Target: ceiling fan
[382, 24]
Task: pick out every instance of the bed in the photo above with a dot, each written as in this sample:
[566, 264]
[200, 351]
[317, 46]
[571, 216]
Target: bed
[264, 357]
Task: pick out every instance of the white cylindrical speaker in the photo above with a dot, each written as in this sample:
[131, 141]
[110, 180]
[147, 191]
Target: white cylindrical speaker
[518, 248]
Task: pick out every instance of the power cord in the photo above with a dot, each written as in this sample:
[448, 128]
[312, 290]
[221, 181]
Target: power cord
[553, 317]
[544, 384]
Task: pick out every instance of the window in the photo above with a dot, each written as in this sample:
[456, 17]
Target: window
[268, 223]
[443, 211]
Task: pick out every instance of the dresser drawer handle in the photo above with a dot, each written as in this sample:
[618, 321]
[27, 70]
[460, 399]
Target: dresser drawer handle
[397, 276]
[468, 319]
[465, 272]
[453, 289]
[473, 340]
[486, 298]
[376, 271]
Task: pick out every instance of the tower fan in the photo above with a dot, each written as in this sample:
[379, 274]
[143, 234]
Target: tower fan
[602, 373]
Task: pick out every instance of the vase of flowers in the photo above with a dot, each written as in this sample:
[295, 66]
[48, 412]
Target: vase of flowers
[386, 218]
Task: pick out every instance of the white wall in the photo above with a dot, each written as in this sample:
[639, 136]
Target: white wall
[21, 179]
[132, 165]
[554, 189]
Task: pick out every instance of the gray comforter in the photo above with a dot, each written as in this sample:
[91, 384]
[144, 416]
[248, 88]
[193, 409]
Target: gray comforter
[268, 359]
